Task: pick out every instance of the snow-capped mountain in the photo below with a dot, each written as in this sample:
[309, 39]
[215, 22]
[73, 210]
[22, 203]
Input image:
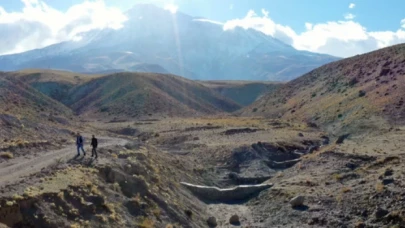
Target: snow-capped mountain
[178, 43]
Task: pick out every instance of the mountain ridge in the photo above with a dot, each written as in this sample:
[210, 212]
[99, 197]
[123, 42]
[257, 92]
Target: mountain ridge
[178, 43]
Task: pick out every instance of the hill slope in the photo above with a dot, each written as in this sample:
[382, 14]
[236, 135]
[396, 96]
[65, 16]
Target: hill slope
[141, 94]
[242, 92]
[178, 43]
[343, 92]
[28, 115]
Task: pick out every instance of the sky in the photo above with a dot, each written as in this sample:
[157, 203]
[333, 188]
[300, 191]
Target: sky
[337, 27]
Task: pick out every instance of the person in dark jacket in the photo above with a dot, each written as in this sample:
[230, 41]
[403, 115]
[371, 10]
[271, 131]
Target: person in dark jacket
[79, 144]
[94, 144]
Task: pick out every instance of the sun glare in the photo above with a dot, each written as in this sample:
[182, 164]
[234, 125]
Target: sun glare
[171, 7]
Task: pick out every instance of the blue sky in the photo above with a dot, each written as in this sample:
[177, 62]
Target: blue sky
[337, 27]
[373, 14]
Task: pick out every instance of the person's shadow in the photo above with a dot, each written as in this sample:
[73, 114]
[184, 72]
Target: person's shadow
[301, 208]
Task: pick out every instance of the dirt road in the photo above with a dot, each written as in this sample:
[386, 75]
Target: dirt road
[12, 172]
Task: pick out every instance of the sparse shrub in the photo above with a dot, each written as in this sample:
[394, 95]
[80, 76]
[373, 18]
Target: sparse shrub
[337, 177]
[131, 146]
[346, 189]
[313, 95]
[379, 187]
[156, 212]
[362, 93]
[115, 187]
[17, 197]
[102, 218]
[353, 82]
[6, 155]
[340, 116]
[254, 110]
[147, 223]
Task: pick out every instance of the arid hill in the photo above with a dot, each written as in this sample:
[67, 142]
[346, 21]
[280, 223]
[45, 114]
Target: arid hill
[128, 94]
[353, 90]
[242, 92]
[141, 94]
[29, 118]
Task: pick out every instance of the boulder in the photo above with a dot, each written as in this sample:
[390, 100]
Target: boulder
[234, 220]
[297, 201]
[342, 138]
[212, 222]
[388, 172]
[387, 181]
[380, 212]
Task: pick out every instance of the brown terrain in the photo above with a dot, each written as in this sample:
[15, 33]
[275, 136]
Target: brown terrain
[363, 90]
[324, 150]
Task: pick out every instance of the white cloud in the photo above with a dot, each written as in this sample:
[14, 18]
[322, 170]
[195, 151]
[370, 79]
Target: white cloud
[340, 38]
[352, 5]
[38, 25]
[171, 7]
[308, 26]
[208, 21]
[349, 16]
[263, 24]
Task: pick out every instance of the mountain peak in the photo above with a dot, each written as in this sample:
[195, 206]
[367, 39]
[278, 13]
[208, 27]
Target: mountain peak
[150, 11]
[178, 43]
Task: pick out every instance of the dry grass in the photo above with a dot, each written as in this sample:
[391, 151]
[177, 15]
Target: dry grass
[156, 212]
[102, 218]
[379, 187]
[346, 189]
[147, 223]
[54, 76]
[337, 177]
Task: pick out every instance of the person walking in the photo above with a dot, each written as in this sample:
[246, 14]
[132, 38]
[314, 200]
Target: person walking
[94, 144]
[80, 143]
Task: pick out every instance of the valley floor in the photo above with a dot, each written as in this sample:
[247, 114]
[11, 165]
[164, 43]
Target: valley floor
[137, 181]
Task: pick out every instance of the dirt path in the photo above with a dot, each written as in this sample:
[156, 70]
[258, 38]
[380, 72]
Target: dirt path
[12, 172]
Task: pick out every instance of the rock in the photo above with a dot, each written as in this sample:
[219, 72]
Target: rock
[188, 213]
[360, 225]
[388, 172]
[311, 149]
[234, 220]
[300, 134]
[326, 140]
[387, 181]
[342, 138]
[351, 165]
[313, 221]
[212, 222]
[297, 201]
[233, 176]
[364, 213]
[380, 212]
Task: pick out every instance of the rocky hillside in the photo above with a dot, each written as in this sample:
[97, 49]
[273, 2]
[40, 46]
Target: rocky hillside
[155, 40]
[349, 91]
